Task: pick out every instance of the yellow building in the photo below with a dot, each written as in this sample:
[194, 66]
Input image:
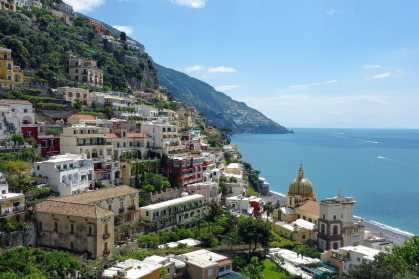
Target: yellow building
[8, 5]
[301, 201]
[10, 74]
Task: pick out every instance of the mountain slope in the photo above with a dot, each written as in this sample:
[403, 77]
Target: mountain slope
[220, 110]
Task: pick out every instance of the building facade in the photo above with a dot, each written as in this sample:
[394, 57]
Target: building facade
[79, 228]
[336, 227]
[184, 170]
[74, 95]
[85, 71]
[92, 142]
[14, 116]
[10, 203]
[8, 5]
[180, 211]
[68, 174]
[11, 76]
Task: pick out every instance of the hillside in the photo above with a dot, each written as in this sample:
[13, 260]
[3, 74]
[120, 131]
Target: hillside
[218, 108]
[42, 43]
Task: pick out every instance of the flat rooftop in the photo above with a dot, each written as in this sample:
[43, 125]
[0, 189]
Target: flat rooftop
[203, 258]
[368, 252]
[172, 202]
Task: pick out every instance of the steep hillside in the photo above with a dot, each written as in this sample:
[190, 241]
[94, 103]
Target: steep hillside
[42, 43]
[218, 108]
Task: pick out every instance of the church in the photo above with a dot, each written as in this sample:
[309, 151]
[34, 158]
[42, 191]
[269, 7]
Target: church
[301, 201]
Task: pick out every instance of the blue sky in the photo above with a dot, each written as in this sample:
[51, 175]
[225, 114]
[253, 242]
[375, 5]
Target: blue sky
[336, 63]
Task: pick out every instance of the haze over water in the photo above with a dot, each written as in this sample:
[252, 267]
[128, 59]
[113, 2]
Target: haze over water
[379, 168]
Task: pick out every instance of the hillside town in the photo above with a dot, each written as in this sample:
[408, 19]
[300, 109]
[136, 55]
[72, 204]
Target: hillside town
[143, 184]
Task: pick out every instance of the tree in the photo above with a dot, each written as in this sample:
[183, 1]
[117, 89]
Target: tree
[254, 232]
[400, 262]
[254, 269]
[17, 139]
[268, 209]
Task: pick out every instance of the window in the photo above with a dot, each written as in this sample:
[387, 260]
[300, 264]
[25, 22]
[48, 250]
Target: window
[335, 245]
[322, 228]
[55, 227]
[40, 226]
[90, 230]
[334, 217]
[71, 228]
[335, 230]
[106, 228]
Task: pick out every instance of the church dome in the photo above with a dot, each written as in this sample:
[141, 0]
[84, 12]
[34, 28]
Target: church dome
[301, 186]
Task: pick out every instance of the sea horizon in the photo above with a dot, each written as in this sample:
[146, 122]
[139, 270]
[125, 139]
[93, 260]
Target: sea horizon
[367, 164]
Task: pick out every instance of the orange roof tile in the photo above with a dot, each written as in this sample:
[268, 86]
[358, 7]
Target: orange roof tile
[137, 135]
[310, 207]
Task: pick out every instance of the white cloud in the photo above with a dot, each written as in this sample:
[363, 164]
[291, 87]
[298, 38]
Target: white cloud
[85, 5]
[382, 75]
[195, 4]
[313, 84]
[129, 30]
[198, 69]
[193, 69]
[227, 88]
[371, 66]
[222, 69]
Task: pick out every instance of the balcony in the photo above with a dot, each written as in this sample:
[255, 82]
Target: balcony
[121, 210]
[106, 236]
[106, 252]
[131, 207]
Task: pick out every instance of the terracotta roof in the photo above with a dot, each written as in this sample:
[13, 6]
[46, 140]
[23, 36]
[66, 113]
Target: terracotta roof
[14, 102]
[80, 117]
[137, 135]
[99, 195]
[310, 207]
[72, 209]
[111, 136]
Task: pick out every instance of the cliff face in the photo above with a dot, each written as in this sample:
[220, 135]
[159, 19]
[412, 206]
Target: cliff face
[220, 110]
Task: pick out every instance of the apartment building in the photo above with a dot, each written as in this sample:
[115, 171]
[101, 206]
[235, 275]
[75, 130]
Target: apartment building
[68, 174]
[209, 190]
[75, 94]
[164, 136]
[204, 264]
[10, 203]
[11, 76]
[8, 5]
[122, 201]
[347, 258]
[124, 142]
[153, 267]
[180, 211]
[80, 228]
[245, 205]
[184, 170]
[85, 71]
[116, 100]
[92, 142]
[336, 225]
[14, 115]
[28, 4]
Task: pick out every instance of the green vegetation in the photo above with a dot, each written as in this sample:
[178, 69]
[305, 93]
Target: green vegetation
[31, 263]
[401, 262]
[271, 271]
[43, 43]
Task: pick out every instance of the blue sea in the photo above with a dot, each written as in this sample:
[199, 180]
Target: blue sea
[379, 168]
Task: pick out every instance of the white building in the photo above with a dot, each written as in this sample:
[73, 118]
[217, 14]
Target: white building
[163, 136]
[115, 100]
[180, 211]
[209, 190]
[347, 258]
[336, 225]
[28, 4]
[244, 205]
[10, 203]
[14, 114]
[68, 174]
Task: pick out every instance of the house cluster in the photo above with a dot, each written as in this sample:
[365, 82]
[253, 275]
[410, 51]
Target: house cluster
[11, 75]
[346, 240]
[90, 164]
